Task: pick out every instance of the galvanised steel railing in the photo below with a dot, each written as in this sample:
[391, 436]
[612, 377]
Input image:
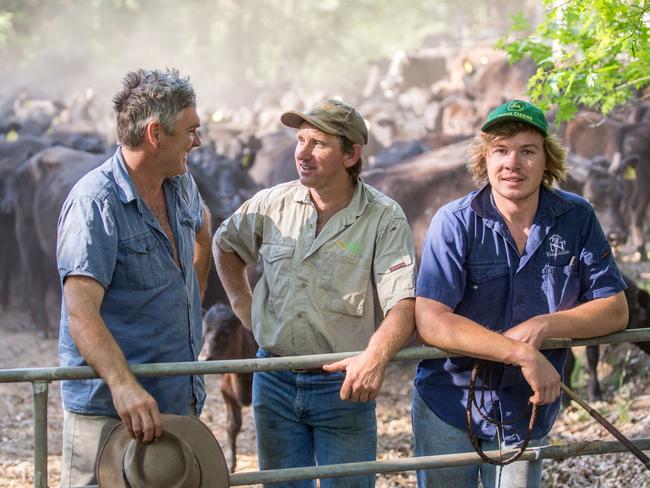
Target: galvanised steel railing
[41, 377]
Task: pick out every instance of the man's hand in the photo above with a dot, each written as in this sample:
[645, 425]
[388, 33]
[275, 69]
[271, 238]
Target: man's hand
[540, 374]
[542, 377]
[364, 376]
[138, 411]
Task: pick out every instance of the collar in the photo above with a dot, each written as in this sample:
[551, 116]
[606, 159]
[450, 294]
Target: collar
[551, 205]
[125, 187]
[360, 200]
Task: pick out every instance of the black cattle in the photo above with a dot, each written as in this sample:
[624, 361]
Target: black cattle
[12, 154]
[224, 337]
[592, 179]
[224, 185]
[42, 185]
[633, 145]
[79, 137]
[638, 302]
[274, 162]
[398, 152]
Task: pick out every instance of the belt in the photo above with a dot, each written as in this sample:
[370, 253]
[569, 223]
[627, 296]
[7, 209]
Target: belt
[310, 371]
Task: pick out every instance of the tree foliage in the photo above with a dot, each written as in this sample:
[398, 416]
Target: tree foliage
[592, 53]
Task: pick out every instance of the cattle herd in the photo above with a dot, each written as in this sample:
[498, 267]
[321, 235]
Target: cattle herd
[421, 108]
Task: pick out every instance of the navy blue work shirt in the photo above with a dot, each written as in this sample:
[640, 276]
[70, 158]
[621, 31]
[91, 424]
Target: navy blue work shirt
[470, 263]
[151, 306]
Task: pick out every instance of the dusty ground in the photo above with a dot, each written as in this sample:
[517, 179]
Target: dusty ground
[627, 406]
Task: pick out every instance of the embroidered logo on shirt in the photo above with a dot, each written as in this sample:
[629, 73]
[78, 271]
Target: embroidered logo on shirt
[351, 247]
[557, 246]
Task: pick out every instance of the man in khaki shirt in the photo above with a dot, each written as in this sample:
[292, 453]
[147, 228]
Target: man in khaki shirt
[328, 242]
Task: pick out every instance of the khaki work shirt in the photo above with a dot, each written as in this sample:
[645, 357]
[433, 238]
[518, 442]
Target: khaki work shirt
[316, 293]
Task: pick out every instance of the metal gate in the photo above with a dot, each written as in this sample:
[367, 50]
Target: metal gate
[42, 377]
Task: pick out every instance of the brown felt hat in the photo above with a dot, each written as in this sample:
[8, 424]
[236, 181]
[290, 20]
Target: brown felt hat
[333, 117]
[186, 456]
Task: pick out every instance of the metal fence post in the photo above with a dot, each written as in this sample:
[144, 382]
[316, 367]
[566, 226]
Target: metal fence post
[40, 390]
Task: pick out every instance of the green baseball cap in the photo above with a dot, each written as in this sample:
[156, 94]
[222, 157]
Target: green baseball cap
[519, 111]
[333, 117]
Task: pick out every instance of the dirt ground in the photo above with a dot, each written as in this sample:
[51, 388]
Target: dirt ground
[624, 377]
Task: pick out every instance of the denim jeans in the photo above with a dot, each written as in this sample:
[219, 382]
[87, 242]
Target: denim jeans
[300, 420]
[433, 436]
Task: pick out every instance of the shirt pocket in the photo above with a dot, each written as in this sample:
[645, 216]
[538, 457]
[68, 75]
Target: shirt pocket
[560, 285]
[343, 284]
[278, 265]
[142, 266]
[486, 289]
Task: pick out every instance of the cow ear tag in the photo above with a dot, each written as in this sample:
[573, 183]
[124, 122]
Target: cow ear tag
[629, 173]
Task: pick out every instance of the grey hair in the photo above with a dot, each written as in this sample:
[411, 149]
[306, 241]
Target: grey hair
[148, 95]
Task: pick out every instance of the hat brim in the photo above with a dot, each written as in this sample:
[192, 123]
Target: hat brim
[294, 120]
[506, 118]
[214, 470]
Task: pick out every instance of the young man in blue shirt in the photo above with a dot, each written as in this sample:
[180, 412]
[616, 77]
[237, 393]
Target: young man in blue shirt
[504, 268]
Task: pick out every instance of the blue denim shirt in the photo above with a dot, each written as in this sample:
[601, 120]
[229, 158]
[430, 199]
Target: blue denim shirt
[470, 263]
[151, 307]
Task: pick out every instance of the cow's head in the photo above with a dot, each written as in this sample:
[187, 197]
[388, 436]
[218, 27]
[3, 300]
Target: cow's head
[222, 334]
[605, 192]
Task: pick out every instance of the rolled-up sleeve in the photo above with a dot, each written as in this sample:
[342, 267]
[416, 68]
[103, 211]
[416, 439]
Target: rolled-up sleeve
[86, 241]
[394, 264]
[241, 233]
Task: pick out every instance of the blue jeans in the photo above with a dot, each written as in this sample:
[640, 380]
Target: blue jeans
[433, 436]
[300, 420]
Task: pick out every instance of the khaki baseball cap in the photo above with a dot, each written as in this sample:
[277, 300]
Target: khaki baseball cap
[333, 117]
[520, 111]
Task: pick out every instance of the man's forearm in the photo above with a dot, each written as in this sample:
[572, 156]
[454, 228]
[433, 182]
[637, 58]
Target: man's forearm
[232, 273]
[99, 349]
[395, 330]
[597, 317]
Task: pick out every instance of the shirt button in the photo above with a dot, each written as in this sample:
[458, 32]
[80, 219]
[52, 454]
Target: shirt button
[303, 285]
[299, 315]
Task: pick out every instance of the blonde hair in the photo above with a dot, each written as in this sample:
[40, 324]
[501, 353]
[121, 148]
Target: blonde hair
[555, 153]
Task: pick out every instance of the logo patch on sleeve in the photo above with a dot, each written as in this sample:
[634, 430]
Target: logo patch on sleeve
[395, 267]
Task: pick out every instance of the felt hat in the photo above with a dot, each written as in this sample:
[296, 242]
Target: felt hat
[187, 455]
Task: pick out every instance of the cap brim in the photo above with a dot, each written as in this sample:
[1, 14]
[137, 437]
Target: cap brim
[296, 119]
[214, 470]
[506, 118]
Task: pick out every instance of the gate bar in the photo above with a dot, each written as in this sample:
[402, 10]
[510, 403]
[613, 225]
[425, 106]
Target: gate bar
[428, 462]
[283, 363]
[40, 390]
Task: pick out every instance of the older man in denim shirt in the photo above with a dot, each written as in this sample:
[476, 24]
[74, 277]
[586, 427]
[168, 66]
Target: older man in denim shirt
[504, 268]
[133, 255]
